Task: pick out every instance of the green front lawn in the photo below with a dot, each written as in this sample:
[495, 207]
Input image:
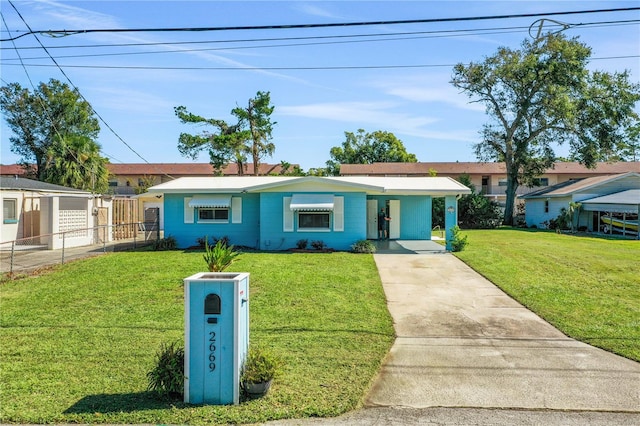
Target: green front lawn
[587, 287]
[77, 342]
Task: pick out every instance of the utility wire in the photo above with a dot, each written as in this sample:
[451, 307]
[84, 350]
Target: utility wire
[265, 39]
[78, 90]
[217, 49]
[44, 108]
[6, 83]
[431, 34]
[293, 68]
[64, 33]
[440, 34]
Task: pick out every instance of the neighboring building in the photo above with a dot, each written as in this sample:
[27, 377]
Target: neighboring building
[12, 170]
[489, 178]
[274, 213]
[40, 212]
[133, 178]
[608, 204]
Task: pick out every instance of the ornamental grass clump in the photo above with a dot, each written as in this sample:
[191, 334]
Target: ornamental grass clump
[167, 377]
[363, 246]
[220, 256]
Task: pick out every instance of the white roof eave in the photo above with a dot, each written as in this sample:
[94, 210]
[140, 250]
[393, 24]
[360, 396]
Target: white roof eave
[438, 186]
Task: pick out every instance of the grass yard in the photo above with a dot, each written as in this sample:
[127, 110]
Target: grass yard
[77, 342]
[587, 287]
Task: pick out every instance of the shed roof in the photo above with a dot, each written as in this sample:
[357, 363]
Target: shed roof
[22, 184]
[369, 184]
[630, 196]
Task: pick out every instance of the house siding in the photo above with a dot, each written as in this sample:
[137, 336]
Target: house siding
[273, 235]
[415, 216]
[535, 214]
[186, 234]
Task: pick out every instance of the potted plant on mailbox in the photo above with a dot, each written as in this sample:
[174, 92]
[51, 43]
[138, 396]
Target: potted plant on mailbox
[258, 371]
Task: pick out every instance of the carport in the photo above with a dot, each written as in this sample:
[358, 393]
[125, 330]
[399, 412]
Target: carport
[615, 213]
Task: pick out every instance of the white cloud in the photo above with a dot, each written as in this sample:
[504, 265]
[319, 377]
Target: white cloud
[447, 95]
[378, 113]
[314, 10]
[127, 101]
[70, 17]
[433, 88]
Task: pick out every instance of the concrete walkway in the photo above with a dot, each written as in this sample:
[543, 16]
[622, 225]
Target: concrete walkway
[462, 342]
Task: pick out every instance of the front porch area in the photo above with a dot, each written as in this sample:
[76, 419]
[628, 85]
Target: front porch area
[408, 247]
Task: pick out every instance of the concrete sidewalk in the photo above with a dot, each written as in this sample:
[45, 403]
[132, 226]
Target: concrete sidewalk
[468, 354]
[462, 342]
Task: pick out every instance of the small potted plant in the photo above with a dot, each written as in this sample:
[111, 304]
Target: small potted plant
[258, 371]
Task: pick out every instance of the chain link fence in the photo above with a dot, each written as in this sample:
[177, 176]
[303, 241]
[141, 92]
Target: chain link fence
[28, 254]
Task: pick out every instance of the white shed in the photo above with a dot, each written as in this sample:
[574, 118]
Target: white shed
[38, 213]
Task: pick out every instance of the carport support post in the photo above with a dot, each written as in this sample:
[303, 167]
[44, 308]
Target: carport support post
[450, 217]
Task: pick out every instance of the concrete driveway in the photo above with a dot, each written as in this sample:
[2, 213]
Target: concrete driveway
[462, 342]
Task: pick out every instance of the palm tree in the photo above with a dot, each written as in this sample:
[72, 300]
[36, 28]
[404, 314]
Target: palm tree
[75, 161]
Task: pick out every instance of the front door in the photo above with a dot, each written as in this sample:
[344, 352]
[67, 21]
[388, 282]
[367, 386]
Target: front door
[372, 219]
[394, 223]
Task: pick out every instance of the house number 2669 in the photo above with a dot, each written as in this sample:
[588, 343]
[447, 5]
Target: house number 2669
[212, 351]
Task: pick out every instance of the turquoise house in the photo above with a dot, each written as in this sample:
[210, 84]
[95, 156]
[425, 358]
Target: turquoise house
[275, 212]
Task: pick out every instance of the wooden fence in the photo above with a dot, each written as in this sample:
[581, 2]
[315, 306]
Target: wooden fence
[125, 213]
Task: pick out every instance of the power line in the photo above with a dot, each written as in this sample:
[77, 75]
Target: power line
[65, 33]
[265, 39]
[46, 112]
[394, 37]
[78, 90]
[391, 36]
[369, 38]
[216, 49]
[293, 68]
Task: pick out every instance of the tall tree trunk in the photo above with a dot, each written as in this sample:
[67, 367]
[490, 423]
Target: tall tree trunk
[510, 202]
[41, 167]
[512, 186]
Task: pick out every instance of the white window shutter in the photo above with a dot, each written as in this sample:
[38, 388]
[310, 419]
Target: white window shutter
[236, 209]
[188, 211]
[338, 214]
[287, 215]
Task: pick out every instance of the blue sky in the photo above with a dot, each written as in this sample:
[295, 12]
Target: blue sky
[313, 107]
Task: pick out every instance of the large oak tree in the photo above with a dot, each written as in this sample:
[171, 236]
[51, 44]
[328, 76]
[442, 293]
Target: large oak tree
[541, 96]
